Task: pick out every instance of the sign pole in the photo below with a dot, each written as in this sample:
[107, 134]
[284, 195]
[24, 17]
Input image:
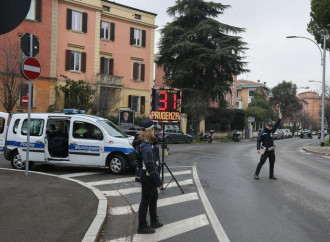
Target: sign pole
[29, 115]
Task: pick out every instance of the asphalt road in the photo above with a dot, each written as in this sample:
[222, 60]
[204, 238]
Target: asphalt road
[296, 207]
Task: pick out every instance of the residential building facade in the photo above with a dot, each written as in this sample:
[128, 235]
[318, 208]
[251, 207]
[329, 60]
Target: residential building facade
[107, 44]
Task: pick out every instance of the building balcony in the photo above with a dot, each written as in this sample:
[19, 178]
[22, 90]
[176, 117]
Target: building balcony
[109, 80]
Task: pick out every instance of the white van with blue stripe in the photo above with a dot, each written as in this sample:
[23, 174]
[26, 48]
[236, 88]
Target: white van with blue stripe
[66, 139]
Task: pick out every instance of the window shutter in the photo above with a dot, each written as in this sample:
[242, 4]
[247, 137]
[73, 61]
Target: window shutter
[101, 30]
[69, 18]
[132, 37]
[67, 60]
[143, 105]
[142, 72]
[135, 71]
[112, 32]
[111, 63]
[38, 10]
[83, 62]
[143, 38]
[102, 65]
[84, 26]
[129, 101]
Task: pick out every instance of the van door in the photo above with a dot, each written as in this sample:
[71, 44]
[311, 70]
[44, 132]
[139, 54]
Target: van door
[57, 139]
[3, 130]
[86, 143]
[37, 146]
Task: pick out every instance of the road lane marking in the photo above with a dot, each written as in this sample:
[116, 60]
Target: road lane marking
[79, 174]
[160, 203]
[169, 230]
[131, 179]
[220, 233]
[127, 191]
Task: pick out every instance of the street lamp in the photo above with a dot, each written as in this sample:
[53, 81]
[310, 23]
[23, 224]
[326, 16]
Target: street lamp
[325, 36]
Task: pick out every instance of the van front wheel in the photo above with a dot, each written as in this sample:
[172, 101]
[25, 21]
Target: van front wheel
[16, 161]
[118, 164]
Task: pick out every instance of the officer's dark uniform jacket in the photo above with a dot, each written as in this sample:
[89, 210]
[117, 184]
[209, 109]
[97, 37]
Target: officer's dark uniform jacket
[266, 137]
[150, 164]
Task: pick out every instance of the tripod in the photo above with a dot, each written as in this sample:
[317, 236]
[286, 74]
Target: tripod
[163, 164]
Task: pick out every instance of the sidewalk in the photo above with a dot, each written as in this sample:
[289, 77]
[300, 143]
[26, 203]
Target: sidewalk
[316, 148]
[41, 207]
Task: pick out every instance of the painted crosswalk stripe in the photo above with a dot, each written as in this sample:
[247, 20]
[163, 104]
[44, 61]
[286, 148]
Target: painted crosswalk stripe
[79, 174]
[170, 230]
[127, 191]
[131, 179]
[160, 203]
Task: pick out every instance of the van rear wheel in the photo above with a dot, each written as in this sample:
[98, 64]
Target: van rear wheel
[118, 164]
[17, 162]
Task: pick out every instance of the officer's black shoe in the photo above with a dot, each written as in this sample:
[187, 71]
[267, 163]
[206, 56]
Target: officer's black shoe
[272, 177]
[256, 177]
[155, 224]
[145, 230]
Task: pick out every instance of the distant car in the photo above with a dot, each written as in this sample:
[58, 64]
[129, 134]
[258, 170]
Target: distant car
[131, 129]
[287, 133]
[277, 135]
[174, 136]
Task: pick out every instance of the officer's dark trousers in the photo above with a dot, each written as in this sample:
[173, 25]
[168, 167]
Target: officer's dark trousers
[148, 200]
[268, 154]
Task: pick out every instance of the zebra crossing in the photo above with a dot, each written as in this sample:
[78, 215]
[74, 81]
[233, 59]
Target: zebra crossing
[171, 205]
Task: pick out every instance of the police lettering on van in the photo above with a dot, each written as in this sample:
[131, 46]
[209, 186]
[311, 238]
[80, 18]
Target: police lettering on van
[67, 139]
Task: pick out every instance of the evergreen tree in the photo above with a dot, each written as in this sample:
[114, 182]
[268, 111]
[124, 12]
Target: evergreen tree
[320, 19]
[197, 51]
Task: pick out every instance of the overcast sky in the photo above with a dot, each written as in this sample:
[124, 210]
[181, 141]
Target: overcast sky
[271, 57]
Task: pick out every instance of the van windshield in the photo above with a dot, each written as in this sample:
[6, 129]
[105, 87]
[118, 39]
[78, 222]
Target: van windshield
[112, 129]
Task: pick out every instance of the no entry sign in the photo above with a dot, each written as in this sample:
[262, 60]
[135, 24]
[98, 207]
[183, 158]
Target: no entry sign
[25, 100]
[31, 68]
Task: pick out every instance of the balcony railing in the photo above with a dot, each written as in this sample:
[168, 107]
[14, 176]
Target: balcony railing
[109, 80]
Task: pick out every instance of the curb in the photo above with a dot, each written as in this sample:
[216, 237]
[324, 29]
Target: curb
[313, 151]
[94, 229]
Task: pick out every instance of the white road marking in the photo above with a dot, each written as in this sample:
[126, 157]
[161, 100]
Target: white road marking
[79, 174]
[170, 230]
[220, 233]
[160, 203]
[127, 191]
[188, 147]
[131, 179]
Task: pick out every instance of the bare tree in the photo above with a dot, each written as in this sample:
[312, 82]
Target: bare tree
[10, 77]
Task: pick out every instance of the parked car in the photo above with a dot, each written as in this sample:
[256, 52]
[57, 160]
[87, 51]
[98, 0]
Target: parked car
[277, 135]
[287, 133]
[130, 129]
[174, 136]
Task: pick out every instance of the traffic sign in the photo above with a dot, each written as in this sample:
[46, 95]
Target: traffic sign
[25, 45]
[12, 13]
[31, 68]
[25, 100]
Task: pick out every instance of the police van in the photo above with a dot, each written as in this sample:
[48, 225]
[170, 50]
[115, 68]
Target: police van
[66, 139]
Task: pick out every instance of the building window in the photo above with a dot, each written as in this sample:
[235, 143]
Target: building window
[24, 91]
[251, 93]
[75, 61]
[137, 16]
[35, 11]
[76, 21]
[106, 8]
[138, 71]
[138, 37]
[107, 31]
[137, 103]
[106, 66]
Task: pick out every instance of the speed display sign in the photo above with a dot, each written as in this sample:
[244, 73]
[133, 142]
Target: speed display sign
[165, 105]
